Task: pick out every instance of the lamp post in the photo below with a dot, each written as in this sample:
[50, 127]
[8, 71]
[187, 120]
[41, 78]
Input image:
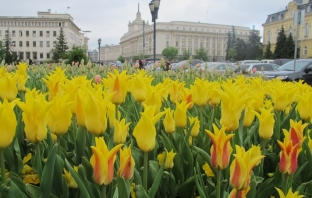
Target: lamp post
[154, 6]
[99, 42]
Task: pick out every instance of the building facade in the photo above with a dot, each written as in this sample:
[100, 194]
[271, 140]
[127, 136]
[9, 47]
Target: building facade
[93, 55]
[285, 19]
[34, 37]
[179, 34]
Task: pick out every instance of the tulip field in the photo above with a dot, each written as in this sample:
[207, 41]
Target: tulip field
[94, 131]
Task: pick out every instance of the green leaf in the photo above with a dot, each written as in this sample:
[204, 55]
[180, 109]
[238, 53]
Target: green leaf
[164, 184]
[48, 173]
[207, 158]
[33, 191]
[136, 177]
[81, 186]
[187, 188]
[140, 192]
[12, 192]
[80, 143]
[123, 187]
[156, 182]
[200, 187]
[173, 186]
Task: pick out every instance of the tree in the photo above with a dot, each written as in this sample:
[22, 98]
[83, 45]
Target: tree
[268, 54]
[121, 59]
[76, 54]
[186, 54]
[290, 47]
[201, 54]
[254, 46]
[280, 48]
[170, 53]
[241, 49]
[228, 46]
[2, 55]
[60, 47]
[9, 56]
[232, 54]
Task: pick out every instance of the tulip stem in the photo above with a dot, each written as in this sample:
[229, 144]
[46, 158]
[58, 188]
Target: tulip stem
[103, 191]
[218, 183]
[116, 111]
[145, 170]
[286, 183]
[3, 178]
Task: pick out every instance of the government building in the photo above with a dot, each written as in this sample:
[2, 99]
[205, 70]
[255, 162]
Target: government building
[285, 19]
[181, 35]
[35, 37]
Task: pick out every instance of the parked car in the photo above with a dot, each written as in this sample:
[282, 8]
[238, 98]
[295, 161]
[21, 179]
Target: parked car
[247, 62]
[275, 66]
[281, 61]
[267, 61]
[287, 72]
[254, 68]
[220, 67]
[180, 64]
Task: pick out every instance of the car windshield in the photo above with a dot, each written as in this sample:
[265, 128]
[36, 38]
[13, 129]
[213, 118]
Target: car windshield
[289, 66]
[244, 67]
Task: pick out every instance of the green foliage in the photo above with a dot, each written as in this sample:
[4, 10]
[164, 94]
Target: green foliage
[201, 54]
[254, 46]
[268, 54]
[139, 56]
[76, 54]
[2, 54]
[121, 59]
[186, 54]
[290, 46]
[241, 49]
[230, 43]
[9, 56]
[59, 52]
[170, 52]
[281, 47]
[231, 54]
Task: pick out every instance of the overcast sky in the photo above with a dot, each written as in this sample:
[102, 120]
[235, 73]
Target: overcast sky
[108, 19]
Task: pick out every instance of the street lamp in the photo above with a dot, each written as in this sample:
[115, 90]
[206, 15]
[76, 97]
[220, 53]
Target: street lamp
[99, 42]
[154, 6]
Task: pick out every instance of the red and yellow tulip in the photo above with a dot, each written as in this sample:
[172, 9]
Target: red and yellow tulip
[127, 163]
[288, 156]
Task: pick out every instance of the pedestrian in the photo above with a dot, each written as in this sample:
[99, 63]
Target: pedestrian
[167, 65]
[141, 64]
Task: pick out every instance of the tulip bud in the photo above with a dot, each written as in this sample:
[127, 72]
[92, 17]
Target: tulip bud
[97, 79]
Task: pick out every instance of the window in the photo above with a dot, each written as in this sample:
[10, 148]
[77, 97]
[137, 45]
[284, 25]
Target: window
[177, 44]
[60, 24]
[41, 43]
[13, 43]
[305, 52]
[34, 43]
[201, 44]
[183, 44]
[40, 33]
[34, 55]
[34, 33]
[21, 55]
[54, 33]
[27, 33]
[48, 55]
[41, 55]
[21, 43]
[54, 43]
[20, 33]
[27, 55]
[27, 43]
[306, 30]
[190, 29]
[177, 28]
[47, 33]
[48, 43]
[13, 33]
[167, 43]
[167, 36]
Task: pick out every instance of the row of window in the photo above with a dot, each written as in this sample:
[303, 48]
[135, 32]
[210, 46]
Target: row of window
[202, 30]
[195, 45]
[290, 31]
[33, 23]
[34, 43]
[33, 55]
[27, 33]
[195, 38]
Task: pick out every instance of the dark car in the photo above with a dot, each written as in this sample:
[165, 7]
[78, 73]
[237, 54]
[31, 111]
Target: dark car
[289, 72]
[281, 61]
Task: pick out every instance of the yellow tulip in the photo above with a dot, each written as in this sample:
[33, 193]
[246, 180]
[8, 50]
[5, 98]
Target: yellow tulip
[221, 148]
[8, 88]
[266, 126]
[118, 86]
[102, 161]
[35, 110]
[187, 96]
[196, 126]
[79, 105]
[127, 163]
[70, 181]
[121, 131]
[175, 94]
[59, 115]
[169, 160]
[138, 88]
[22, 69]
[198, 90]
[20, 82]
[169, 123]
[180, 117]
[290, 194]
[55, 81]
[212, 94]
[304, 106]
[249, 114]
[8, 123]
[242, 166]
[144, 131]
[282, 95]
[208, 170]
[153, 99]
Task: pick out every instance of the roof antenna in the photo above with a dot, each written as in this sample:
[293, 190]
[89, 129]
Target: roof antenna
[138, 7]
